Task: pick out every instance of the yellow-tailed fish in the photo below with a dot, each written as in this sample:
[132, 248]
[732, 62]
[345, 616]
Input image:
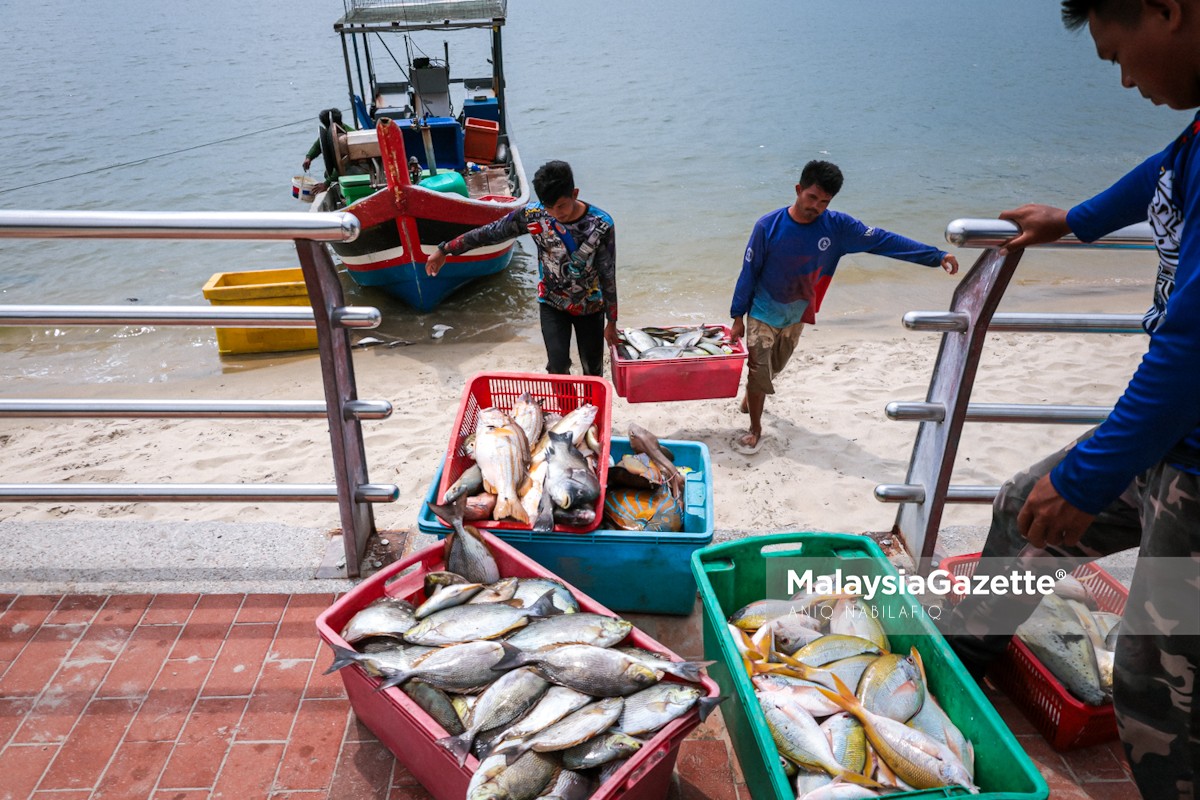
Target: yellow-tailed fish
[799, 738]
[919, 760]
[847, 740]
[853, 617]
[892, 686]
[834, 648]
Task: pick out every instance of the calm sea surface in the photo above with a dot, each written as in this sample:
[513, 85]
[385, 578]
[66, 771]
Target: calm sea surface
[685, 120]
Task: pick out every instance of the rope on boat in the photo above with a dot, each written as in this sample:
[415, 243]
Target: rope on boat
[306, 121]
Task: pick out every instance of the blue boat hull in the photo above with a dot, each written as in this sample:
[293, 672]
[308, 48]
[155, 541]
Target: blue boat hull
[408, 281]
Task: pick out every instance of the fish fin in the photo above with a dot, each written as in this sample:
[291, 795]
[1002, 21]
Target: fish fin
[394, 679]
[544, 606]
[510, 508]
[459, 745]
[843, 697]
[707, 704]
[513, 657]
[342, 657]
[544, 523]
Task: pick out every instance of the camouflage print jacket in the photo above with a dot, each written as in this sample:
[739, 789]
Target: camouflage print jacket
[577, 263]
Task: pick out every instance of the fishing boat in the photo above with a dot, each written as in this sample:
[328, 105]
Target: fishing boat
[431, 157]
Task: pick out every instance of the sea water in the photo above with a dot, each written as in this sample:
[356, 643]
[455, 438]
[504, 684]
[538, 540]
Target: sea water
[686, 120]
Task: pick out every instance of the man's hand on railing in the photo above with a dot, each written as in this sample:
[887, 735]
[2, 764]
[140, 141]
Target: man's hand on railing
[1039, 224]
[950, 264]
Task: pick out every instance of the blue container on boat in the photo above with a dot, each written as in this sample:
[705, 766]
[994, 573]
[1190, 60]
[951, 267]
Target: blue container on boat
[482, 108]
[630, 571]
[447, 137]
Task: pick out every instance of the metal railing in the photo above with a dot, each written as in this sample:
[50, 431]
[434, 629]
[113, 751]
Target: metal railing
[341, 409]
[947, 406]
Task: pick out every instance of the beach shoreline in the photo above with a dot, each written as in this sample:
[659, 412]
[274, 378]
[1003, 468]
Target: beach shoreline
[827, 440]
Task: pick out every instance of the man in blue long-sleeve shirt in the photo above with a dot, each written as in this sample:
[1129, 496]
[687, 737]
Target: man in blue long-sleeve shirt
[789, 263]
[1135, 480]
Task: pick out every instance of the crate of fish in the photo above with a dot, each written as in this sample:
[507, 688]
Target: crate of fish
[805, 627]
[464, 661]
[515, 430]
[1071, 704]
[654, 365]
[630, 563]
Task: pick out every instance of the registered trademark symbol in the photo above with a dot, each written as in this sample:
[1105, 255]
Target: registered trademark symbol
[1059, 574]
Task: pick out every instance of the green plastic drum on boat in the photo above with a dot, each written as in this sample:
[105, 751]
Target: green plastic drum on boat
[446, 182]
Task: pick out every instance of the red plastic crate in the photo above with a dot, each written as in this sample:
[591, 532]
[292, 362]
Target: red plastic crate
[558, 393]
[412, 735]
[1065, 722]
[671, 379]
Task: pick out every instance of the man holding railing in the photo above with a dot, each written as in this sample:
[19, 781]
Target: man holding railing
[1134, 481]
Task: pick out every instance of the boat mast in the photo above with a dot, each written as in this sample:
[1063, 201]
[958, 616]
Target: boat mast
[498, 77]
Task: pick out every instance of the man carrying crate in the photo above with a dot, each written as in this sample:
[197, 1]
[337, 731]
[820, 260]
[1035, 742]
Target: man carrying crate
[1135, 480]
[577, 267]
[789, 263]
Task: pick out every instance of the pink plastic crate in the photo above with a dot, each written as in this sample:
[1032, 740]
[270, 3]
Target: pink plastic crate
[412, 735]
[558, 393]
[1064, 721]
[670, 379]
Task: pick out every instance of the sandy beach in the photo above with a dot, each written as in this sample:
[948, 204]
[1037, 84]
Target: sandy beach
[828, 442]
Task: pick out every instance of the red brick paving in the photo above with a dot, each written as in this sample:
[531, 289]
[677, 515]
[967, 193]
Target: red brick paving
[215, 697]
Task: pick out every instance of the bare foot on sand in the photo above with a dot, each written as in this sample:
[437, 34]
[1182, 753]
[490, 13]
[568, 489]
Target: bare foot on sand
[748, 443]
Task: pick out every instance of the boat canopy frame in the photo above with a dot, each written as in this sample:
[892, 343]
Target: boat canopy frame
[364, 17]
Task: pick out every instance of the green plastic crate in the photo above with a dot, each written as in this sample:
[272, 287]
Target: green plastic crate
[356, 187]
[732, 574]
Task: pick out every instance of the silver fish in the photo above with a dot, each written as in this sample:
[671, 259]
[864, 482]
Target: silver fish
[570, 483]
[852, 617]
[467, 555]
[1055, 636]
[847, 740]
[469, 483]
[524, 779]
[436, 703]
[654, 707]
[382, 663]
[576, 727]
[387, 616]
[575, 423]
[499, 592]
[508, 698]
[447, 597]
[594, 629]
[464, 667]
[571, 785]
[600, 750]
[468, 623]
[529, 590]
[787, 690]
[638, 339]
[596, 670]
[891, 686]
[556, 703]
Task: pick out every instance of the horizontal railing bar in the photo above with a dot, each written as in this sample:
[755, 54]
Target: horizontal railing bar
[238, 409]
[323, 227]
[953, 321]
[1018, 322]
[191, 492]
[1001, 412]
[913, 493]
[367, 409]
[239, 317]
[969, 232]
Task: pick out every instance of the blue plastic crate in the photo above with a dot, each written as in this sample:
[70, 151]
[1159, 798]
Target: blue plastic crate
[627, 571]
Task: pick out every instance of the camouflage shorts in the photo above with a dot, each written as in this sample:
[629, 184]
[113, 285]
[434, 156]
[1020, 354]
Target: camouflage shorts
[769, 350]
[1158, 651]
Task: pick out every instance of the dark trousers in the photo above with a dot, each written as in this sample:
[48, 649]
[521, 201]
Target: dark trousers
[589, 338]
[1157, 659]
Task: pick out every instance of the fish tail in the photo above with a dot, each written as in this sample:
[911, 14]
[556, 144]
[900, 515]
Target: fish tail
[843, 697]
[707, 704]
[450, 513]
[513, 657]
[459, 745]
[688, 670]
[544, 606]
[544, 523]
[508, 506]
[342, 657]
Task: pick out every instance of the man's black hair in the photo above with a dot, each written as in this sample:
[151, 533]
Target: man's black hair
[823, 174]
[328, 114]
[1075, 12]
[553, 181]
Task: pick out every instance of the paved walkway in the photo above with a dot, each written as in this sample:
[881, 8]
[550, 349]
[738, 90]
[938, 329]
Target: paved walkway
[194, 696]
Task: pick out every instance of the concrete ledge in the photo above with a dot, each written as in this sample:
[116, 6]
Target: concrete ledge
[125, 556]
